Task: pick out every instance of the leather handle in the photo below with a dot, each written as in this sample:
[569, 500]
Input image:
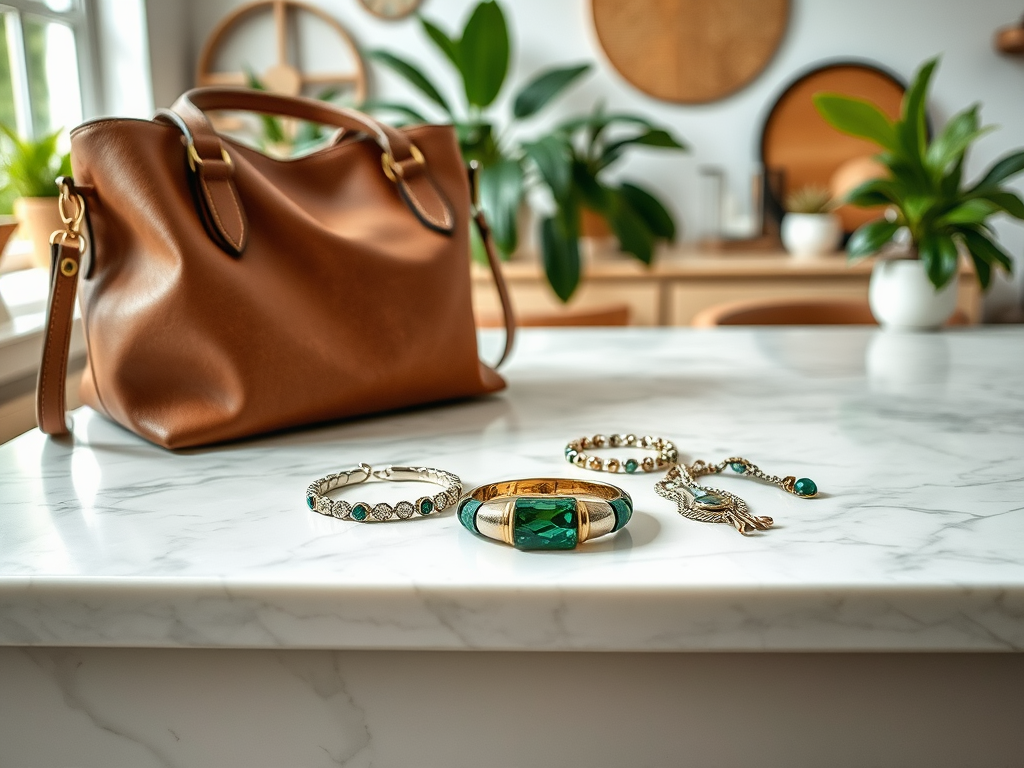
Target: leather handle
[221, 206]
[247, 100]
[499, 280]
[65, 261]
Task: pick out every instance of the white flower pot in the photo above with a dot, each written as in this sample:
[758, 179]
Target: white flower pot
[903, 298]
[811, 234]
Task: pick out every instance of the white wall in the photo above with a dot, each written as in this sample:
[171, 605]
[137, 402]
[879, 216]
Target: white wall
[897, 34]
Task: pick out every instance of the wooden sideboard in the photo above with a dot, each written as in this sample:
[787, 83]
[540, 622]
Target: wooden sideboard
[682, 282]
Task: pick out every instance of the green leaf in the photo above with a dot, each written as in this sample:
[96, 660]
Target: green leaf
[917, 207]
[912, 127]
[445, 44]
[330, 93]
[968, 212]
[1005, 201]
[983, 269]
[633, 234]
[651, 138]
[960, 132]
[560, 249]
[484, 53]
[413, 75]
[501, 192]
[539, 91]
[949, 187]
[939, 255]
[593, 194]
[856, 117]
[651, 210]
[553, 159]
[32, 166]
[981, 246]
[1008, 166]
[390, 106]
[874, 192]
[870, 238]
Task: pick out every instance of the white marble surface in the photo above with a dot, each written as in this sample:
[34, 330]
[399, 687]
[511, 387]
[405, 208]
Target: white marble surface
[916, 442]
[150, 707]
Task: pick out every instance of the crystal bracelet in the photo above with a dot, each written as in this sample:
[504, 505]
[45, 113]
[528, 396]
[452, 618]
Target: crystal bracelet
[363, 512]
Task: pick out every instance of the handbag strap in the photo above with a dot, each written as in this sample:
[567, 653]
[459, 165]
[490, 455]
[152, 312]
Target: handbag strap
[499, 281]
[213, 167]
[65, 258]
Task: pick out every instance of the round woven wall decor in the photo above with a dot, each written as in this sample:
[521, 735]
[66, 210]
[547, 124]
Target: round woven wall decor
[690, 51]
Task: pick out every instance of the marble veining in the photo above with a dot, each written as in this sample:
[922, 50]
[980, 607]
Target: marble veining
[915, 543]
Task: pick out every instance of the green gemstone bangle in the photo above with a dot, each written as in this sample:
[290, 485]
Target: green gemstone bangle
[318, 501]
[665, 453]
[545, 513]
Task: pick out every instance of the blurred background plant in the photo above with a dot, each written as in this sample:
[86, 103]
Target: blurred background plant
[281, 137]
[569, 162]
[810, 199]
[29, 168]
[924, 189]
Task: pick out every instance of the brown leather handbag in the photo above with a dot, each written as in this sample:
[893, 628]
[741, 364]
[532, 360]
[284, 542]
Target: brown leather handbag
[225, 293]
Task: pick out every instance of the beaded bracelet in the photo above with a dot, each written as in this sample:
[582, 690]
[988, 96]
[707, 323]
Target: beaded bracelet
[666, 453]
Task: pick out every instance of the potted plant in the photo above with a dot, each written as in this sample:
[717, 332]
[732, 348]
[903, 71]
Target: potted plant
[932, 215]
[30, 168]
[810, 228]
[565, 162]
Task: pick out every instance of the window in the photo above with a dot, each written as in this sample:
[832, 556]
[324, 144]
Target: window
[42, 48]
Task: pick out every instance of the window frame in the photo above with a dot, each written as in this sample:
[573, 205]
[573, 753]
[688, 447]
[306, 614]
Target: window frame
[80, 18]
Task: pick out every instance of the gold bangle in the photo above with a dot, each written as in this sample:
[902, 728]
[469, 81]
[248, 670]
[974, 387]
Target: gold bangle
[545, 513]
[666, 453]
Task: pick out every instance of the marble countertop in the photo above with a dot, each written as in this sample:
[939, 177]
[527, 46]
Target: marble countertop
[916, 543]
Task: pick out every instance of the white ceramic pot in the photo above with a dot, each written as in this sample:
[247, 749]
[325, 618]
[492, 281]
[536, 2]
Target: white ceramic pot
[811, 234]
[903, 298]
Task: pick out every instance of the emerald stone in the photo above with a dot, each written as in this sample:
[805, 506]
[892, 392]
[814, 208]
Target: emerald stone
[426, 506]
[310, 502]
[738, 466]
[805, 487]
[710, 500]
[631, 465]
[359, 512]
[623, 511]
[467, 514]
[571, 453]
[545, 523]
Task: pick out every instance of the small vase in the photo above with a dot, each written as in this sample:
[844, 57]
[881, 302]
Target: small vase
[903, 298]
[38, 218]
[811, 234]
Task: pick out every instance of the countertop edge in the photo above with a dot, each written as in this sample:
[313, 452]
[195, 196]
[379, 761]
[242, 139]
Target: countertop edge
[659, 619]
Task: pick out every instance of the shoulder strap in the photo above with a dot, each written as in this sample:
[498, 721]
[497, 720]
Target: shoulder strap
[65, 260]
[499, 280]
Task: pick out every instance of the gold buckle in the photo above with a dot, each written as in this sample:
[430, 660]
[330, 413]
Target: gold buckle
[195, 161]
[72, 225]
[391, 167]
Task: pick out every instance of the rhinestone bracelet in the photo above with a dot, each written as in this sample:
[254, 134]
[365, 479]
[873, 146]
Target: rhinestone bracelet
[666, 453]
[363, 512]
